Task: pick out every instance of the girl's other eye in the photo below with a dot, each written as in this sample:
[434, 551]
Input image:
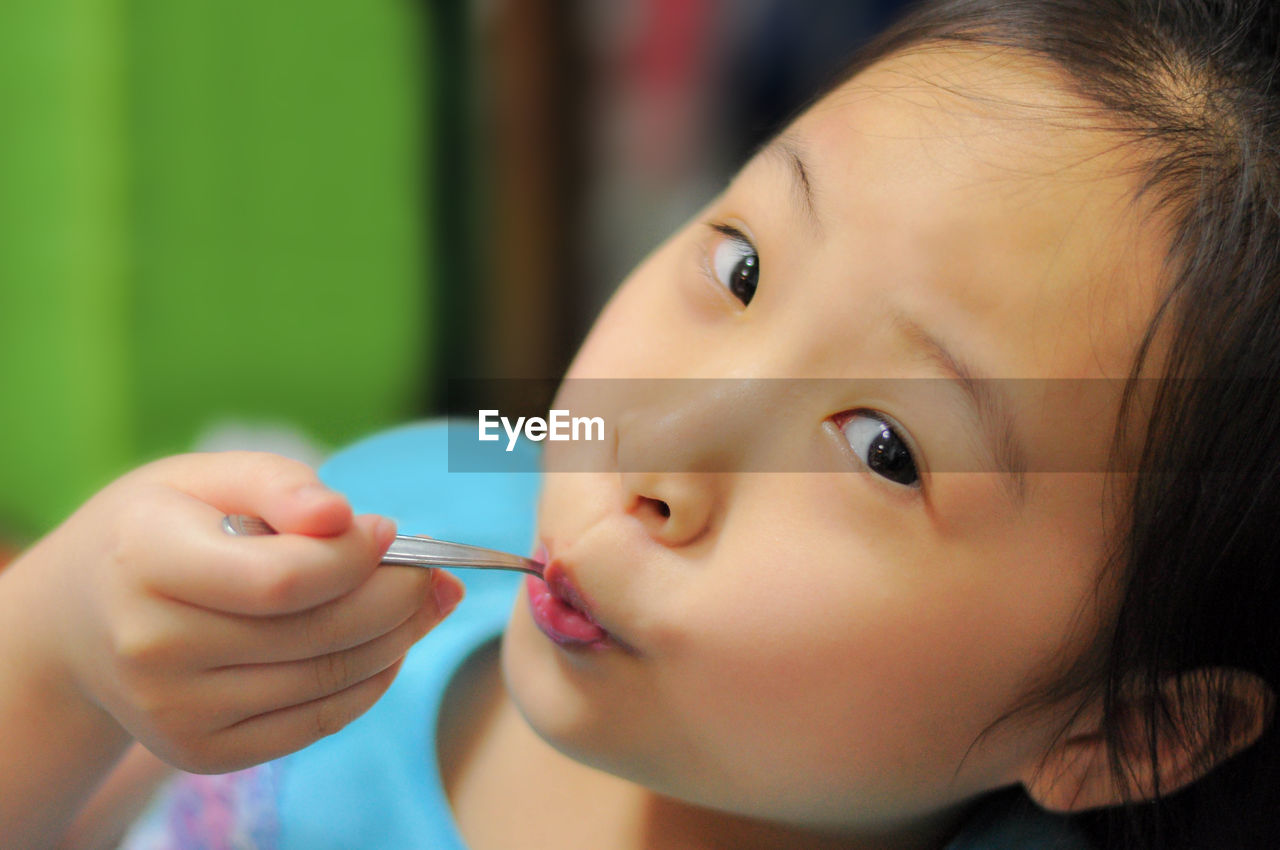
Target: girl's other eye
[735, 264]
[879, 447]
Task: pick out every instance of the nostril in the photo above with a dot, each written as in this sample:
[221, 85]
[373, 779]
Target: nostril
[655, 507]
[682, 514]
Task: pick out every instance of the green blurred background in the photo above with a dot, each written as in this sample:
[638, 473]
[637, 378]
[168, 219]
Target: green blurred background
[284, 225]
[208, 209]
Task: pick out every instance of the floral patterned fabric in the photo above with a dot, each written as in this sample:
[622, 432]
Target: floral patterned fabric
[235, 811]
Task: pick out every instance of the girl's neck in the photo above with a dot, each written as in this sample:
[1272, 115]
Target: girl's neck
[671, 824]
[508, 788]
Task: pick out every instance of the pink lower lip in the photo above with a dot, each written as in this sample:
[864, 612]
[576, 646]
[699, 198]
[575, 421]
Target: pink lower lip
[557, 618]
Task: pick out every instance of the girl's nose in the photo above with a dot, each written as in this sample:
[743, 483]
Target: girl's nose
[675, 508]
[679, 444]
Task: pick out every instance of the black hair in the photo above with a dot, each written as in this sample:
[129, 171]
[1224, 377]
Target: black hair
[1192, 84]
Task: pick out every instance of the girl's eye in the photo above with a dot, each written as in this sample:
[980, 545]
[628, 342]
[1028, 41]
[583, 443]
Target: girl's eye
[879, 447]
[735, 264]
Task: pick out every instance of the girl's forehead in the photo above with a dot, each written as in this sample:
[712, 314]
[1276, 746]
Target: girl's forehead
[993, 199]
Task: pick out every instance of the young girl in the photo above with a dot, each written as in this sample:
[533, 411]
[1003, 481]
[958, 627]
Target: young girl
[1052, 581]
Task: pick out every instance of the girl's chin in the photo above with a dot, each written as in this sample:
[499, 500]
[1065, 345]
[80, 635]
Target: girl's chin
[542, 681]
[535, 684]
[530, 668]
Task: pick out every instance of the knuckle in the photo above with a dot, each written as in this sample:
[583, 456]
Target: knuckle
[119, 557]
[127, 538]
[333, 672]
[139, 648]
[278, 586]
[321, 628]
[133, 522]
[264, 469]
[278, 471]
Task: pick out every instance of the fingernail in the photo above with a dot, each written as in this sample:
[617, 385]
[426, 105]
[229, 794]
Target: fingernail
[448, 592]
[384, 532]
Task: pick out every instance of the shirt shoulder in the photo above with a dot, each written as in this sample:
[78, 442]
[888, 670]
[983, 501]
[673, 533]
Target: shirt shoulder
[1009, 820]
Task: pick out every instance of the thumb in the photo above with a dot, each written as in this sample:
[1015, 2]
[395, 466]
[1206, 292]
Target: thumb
[311, 509]
[286, 493]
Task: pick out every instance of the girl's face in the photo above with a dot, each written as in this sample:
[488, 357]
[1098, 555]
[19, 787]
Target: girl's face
[826, 648]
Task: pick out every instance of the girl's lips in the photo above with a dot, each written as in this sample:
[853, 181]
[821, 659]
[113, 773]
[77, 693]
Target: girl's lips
[559, 610]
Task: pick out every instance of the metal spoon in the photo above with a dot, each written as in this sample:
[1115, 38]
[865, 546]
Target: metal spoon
[412, 551]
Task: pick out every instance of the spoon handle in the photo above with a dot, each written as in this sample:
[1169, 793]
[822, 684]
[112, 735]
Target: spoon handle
[412, 551]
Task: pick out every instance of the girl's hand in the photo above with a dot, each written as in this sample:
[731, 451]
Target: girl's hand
[218, 652]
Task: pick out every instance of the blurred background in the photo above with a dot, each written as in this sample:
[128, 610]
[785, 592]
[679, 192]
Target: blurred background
[284, 225]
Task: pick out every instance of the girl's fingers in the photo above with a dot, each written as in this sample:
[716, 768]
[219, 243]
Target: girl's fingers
[269, 687]
[278, 733]
[259, 576]
[284, 492]
[209, 639]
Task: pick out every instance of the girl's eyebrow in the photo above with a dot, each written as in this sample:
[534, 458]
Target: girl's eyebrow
[988, 402]
[790, 151]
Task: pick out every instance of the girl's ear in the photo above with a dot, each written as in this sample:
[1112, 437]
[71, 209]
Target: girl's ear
[1211, 715]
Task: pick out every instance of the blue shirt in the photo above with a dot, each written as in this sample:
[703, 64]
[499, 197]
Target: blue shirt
[376, 785]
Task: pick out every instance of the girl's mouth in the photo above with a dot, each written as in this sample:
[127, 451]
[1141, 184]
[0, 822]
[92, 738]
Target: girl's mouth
[560, 611]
